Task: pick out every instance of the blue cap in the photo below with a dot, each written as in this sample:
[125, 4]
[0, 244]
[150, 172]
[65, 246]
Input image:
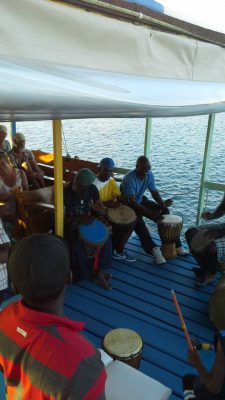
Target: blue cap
[107, 163]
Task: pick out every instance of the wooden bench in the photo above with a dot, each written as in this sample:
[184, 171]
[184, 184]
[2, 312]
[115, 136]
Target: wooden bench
[35, 211]
[70, 167]
[35, 208]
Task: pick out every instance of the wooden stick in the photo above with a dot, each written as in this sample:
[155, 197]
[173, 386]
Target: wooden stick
[182, 320]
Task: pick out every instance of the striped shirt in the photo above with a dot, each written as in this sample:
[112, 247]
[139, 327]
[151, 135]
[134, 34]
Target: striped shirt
[3, 270]
[45, 357]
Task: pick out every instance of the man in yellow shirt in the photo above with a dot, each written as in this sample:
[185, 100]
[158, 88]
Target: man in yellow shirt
[110, 195]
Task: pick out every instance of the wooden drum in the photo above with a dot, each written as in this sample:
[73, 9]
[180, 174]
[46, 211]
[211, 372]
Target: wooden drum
[216, 305]
[169, 229]
[124, 345]
[121, 215]
[93, 236]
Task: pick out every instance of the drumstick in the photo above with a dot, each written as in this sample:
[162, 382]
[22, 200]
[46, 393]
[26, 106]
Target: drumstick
[182, 320]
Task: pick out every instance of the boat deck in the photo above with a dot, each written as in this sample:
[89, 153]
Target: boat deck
[141, 300]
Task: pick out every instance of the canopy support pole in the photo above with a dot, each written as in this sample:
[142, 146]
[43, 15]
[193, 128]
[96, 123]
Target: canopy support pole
[12, 131]
[148, 131]
[205, 166]
[58, 176]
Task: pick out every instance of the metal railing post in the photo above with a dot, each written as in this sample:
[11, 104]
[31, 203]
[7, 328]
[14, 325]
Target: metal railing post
[205, 165]
[148, 131]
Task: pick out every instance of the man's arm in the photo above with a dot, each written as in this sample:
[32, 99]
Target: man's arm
[217, 213]
[156, 196]
[213, 380]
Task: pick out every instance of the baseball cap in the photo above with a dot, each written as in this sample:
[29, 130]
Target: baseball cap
[85, 177]
[39, 265]
[107, 163]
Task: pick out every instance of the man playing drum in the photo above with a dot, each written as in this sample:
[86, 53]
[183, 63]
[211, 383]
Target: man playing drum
[207, 244]
[134, 185]
[81, 202]
[110, 195]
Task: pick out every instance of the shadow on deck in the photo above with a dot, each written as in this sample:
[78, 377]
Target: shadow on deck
[141, 300]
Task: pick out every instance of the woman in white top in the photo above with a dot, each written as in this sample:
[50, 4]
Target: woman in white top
[10, 178]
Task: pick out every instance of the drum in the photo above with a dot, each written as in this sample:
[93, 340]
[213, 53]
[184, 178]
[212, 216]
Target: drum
[93, 236]
[121, 215]
[216, 305]
[169, 229]
[124, 345]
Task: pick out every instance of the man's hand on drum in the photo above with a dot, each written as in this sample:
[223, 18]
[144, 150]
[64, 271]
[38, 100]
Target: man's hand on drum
[86, 219]
[207, 215]
[155, 216]
[112, 203]
[167, 203]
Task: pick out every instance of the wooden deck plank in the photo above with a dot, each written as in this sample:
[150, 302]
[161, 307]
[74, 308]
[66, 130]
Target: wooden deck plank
[141, 300]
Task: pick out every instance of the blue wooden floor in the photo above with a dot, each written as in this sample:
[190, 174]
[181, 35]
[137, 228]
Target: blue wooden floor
[141, 300]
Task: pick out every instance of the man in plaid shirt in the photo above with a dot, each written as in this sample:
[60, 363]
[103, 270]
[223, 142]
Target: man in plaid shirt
[4, 248]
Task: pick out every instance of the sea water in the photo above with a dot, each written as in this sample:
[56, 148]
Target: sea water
[176, 155]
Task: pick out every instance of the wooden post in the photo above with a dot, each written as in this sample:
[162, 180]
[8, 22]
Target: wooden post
[148, 130]
[58, 176]
[205, 165]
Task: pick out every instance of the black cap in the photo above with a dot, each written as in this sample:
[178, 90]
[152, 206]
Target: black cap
[39, 265]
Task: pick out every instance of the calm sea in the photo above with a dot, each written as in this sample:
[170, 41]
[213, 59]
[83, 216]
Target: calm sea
[177, 147]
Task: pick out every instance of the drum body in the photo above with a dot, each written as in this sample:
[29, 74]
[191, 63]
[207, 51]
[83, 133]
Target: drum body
[93, 236]
[124, 345]
[169, 231]
[121, 215]
[216, 305]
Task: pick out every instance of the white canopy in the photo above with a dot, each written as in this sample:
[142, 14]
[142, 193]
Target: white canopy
[58, 61]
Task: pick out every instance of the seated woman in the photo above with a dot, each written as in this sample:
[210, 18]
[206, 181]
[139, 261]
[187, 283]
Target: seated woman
[111, 196]
[24, 160]
[10, 179]
[207, 244]
[82, 205]
[4, 144]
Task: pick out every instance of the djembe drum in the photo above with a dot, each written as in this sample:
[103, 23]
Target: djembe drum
[124, 345]
[216, 305]
[121, 215]
[169, 229]
[93, 236]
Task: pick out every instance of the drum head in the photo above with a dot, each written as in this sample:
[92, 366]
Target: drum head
[171, 219]
[122, 215]
[122, 342]
[94, 233]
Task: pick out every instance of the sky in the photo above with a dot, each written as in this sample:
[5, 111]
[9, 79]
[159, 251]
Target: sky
[210, 14]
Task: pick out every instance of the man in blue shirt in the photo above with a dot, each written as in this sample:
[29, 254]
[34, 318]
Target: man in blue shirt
[134, 185]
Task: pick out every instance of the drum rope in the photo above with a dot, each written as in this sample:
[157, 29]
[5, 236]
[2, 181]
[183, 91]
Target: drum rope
[181, 193]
